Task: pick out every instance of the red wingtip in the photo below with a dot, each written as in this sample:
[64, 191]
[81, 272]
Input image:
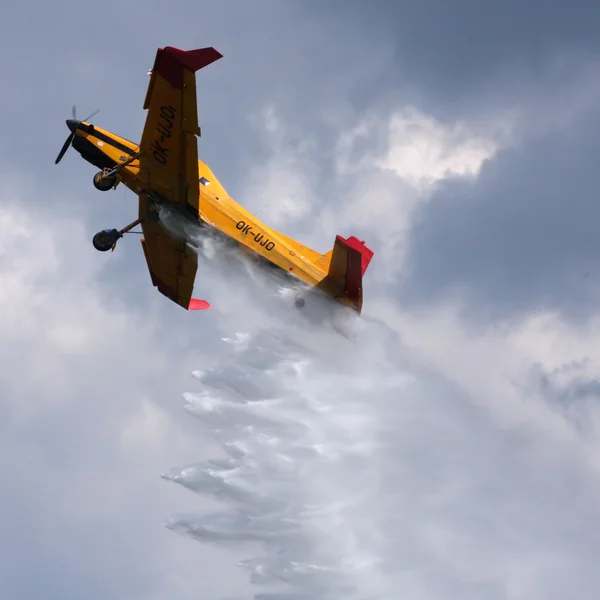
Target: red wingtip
[196, 304]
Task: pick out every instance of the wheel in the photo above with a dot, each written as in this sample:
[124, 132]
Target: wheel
[104, 240]
[104, 183]
[300, 302]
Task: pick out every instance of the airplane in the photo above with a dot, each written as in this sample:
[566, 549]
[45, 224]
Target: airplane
[164, 169]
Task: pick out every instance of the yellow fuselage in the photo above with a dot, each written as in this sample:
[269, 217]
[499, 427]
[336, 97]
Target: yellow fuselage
[217, 209]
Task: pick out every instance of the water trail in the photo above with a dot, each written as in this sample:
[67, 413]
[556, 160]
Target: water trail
[299, 441]
[343, 473]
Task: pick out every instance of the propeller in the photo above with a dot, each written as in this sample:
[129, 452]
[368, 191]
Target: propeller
[72, 124]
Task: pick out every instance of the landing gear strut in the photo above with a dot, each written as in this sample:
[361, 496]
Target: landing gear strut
[108, 179]
[107, 238]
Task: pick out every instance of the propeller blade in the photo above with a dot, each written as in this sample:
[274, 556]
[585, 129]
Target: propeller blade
[72, 124]
[91, 115]
[64, 148]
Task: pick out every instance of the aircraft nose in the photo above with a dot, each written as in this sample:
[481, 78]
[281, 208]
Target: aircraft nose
[73, 124]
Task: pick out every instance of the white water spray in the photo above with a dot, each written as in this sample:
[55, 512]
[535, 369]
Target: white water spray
[301, 441]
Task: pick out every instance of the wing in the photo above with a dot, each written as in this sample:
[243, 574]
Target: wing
[169, 167]
[169, 150]
[172, 265]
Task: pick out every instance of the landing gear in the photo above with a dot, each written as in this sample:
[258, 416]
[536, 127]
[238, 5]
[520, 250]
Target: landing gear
[104, 182]
[107, 238]
[108, 179]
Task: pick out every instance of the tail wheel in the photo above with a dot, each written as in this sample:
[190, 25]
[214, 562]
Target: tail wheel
[103, 183]
[106, 239]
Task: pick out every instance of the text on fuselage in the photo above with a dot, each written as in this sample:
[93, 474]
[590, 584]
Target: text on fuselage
[258, 237]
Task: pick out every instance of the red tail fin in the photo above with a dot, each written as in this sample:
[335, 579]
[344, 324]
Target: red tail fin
[349, 261]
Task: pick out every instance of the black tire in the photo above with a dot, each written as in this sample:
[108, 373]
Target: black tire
[104, 183]
[105, 240]
[300, 302]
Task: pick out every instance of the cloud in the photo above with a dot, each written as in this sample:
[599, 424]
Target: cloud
[458, 59]
[369, 180]
[279, 188]
[522, 234]
[389, 166]
[87, 421]
[496, 362]
[423, 152]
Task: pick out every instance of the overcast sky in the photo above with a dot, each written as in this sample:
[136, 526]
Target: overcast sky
[458, 138]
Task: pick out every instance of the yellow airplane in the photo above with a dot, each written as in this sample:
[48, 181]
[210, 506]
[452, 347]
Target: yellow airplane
[164, 169]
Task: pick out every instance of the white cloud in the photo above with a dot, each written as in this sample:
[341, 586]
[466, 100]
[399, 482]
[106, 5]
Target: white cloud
[422, 151]
[419, 149]
[89, 393]
[279, 189]
[499, 366]
[385, 167]
[394, 163]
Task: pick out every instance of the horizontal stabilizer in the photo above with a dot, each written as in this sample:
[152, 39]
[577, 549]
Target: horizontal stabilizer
[196, 304]
[170, 63]
[194, 60]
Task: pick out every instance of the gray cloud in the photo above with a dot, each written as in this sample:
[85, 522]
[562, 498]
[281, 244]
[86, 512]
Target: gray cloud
[454, 56]
[522, 236]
